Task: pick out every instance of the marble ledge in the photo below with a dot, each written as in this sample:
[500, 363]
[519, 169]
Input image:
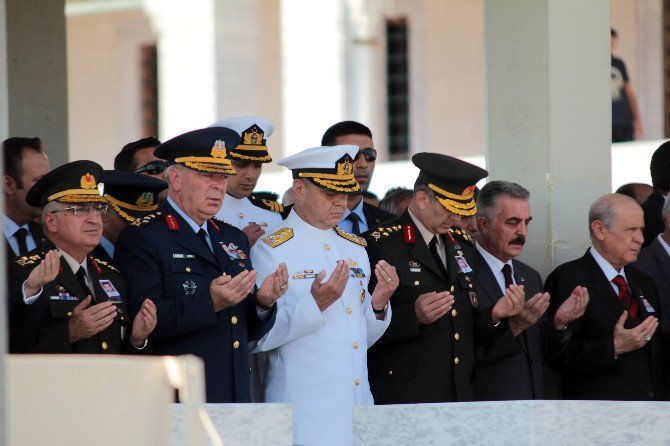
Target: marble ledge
[514, 423]
[242, 424]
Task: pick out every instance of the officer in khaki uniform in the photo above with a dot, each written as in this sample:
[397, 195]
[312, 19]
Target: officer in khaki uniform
[241, 208]
[427, 353]
[71, 302]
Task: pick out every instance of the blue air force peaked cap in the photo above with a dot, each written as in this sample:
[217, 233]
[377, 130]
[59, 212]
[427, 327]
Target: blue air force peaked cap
[204, 150]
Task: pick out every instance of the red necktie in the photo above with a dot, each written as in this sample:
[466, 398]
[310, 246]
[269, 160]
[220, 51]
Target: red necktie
[626, 297]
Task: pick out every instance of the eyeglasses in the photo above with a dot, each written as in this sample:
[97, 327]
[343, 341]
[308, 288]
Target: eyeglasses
[84, 209]
[152, 168]
[369, 154]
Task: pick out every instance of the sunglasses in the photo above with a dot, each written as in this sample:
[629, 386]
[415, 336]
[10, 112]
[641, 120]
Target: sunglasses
[153, 168]
[369, 154]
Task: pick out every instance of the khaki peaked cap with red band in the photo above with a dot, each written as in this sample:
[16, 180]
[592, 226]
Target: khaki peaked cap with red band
[75, 182]
[204, 150]
[452, 181]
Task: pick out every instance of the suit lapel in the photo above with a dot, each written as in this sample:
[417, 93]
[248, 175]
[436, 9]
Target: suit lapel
[662, 259]
[601, 287]
[372, 220]
[488, 284]
[216, 236]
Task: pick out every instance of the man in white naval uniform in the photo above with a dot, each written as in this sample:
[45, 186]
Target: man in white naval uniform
[240, 208]
[327, 319]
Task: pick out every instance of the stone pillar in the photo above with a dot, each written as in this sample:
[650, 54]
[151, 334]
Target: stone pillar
[312, 70]
[37, 74]
[4, 133]
[548, 115]
[186, 63]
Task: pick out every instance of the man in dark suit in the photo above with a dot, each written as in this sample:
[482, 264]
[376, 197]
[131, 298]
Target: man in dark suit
[660, 179]
[427, 353]
[25, 163]
[360, 216]
[65, 300]
[509, 367]
[197, 270]
[613, 351]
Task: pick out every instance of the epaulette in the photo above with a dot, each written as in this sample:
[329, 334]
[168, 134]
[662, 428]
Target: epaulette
[459, 233]
[351, 237]
[383, 232]
[278, 237]
[28, 260]
[221, 223]
[266, 204]
[102, 262]
[146, 219]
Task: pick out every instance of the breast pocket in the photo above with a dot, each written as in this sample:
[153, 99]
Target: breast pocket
[186, 267]
[62, 308]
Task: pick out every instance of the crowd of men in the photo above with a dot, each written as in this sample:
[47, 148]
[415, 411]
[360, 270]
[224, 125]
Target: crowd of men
[327, 301]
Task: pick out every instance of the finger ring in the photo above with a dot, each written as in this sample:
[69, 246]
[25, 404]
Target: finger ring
[517, 306]
[647, 338]
[388, 279]
[283, 287]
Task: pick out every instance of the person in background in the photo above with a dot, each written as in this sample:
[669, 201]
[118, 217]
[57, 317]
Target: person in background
[138, 156]
[638, 191]
[659, 167]
[626, 122]
[396, 200]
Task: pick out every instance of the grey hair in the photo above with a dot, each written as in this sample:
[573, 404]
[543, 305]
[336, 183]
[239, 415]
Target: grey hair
[49, 207]
[487, 201]
[666, 210]
[603, 210]
[425, 189]
[393, 197]
[170, 168]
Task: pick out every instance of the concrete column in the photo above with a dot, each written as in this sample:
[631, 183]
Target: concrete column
[548, 115]
[312, 74]
[37, 74]
[650, 67]
[4, 133]
[361, 42]
[186, 63]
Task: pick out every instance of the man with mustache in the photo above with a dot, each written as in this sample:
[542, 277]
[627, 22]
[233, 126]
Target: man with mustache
[509, 367]
[359, 216]
[241, 208]
[613, 351]
[73, 302]
[197, 269]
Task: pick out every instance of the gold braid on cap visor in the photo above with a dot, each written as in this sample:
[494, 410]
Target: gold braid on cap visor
[261, 159]
[118, 204]
[335, 182]
[76, 196]
[448, 200]
[207, 164]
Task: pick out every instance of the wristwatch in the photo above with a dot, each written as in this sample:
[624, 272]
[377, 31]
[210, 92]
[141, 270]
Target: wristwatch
[382, 311]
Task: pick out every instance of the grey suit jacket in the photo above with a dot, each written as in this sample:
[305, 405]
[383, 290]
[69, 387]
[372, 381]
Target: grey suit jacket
[654, 261]
[508, 368]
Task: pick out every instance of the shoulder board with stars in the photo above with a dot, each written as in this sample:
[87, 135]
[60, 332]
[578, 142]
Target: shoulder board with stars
[28, 260]
[146, 219]
[351, 237]
[278, 237]
[266, 204]
[460, 234]
[383, 232]
[104, 263]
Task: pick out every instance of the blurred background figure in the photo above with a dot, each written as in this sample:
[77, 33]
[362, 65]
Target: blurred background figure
[396, 200]
[637, 191]
[626, 123]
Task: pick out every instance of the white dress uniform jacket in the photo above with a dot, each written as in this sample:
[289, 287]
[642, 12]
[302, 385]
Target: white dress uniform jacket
[318, 361]
[239, 212]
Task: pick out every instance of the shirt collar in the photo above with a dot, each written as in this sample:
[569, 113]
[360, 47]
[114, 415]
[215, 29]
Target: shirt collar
[72, 263]
[494, 262]
[188, 219]
[107, 246]
[663, 244]
[606, 266]
[425, 232]
[10, 227]
[358, 210]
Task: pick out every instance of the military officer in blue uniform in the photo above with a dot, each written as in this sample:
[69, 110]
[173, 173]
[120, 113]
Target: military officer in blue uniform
[197, 269]
[241, 208]
[69, 301]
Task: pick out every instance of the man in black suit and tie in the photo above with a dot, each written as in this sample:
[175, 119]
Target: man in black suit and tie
[360, 216]
[613, 351]
[660, 179]
[509, 367]
[427, 353]
[25, 163]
